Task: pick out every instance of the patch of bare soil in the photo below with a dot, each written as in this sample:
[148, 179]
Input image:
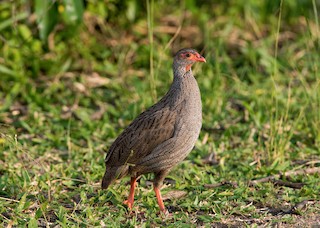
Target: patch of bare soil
[311, 220]
[301, 215]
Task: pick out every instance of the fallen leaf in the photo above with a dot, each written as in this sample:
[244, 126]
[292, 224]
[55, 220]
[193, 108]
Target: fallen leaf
[95, 80]
[174, 194]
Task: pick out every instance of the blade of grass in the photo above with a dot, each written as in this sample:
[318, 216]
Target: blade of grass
[12, 20]
[150, 13]
[317, 95]
[272, 150]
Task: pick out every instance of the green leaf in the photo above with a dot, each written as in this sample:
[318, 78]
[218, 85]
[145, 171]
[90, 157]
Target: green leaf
[39, 213]
[25, 32]
[22, 203]
[26, 126]
[205, 218]
[46, 12]
[131, 10]
[226, 193]
[72, 11]
[33, 223]
[5, 70]
[83, 115]
[9, 22]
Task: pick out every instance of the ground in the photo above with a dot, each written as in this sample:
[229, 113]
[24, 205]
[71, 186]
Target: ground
[73, 77]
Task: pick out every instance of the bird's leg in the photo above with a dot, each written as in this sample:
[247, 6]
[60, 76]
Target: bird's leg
[159, 199]
[129, 201]
[158, 180]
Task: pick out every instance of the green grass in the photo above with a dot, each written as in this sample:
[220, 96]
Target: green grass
[63, 103]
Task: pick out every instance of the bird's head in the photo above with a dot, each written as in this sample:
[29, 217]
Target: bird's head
[185, 58]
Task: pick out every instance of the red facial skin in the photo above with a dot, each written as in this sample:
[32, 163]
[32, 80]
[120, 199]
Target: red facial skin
[194, 57]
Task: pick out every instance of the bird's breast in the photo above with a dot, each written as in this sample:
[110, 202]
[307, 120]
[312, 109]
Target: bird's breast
[189, 110]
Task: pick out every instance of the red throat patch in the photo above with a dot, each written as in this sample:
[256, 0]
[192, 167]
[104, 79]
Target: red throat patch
[188, 67]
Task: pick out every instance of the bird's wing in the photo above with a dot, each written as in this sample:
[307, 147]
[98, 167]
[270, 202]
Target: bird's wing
[148, 130]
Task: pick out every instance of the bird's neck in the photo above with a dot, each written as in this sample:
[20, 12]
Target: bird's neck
[180, 72]
[183, 78]
[184, 84]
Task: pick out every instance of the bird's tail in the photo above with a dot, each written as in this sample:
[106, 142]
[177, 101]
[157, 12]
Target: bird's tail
[113, 173]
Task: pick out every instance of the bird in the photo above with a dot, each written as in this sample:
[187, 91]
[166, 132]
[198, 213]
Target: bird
[161, 136]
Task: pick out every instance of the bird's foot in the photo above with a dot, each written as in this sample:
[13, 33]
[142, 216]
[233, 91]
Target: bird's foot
[128, 203]
[130, 200]
[165, 213]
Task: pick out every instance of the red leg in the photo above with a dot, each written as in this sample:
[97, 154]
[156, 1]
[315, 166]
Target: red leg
[129, 201]
[159, 199]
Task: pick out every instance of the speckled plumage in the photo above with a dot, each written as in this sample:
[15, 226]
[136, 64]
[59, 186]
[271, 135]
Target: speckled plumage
[164, 134]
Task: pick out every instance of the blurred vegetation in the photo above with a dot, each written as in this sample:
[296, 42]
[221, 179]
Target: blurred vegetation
[75, 73]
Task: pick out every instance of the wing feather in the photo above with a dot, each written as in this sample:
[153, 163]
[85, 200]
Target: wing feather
[148, 130]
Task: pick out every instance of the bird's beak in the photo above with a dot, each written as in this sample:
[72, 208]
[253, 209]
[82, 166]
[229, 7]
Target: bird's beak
[199, 58]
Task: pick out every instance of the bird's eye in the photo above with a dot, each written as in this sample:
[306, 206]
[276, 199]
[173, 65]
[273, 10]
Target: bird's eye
[187, 55]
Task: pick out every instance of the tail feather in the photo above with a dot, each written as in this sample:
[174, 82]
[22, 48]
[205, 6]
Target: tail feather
[113, 173]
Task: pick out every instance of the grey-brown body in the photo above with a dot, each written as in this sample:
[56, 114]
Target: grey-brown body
[161, 136]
